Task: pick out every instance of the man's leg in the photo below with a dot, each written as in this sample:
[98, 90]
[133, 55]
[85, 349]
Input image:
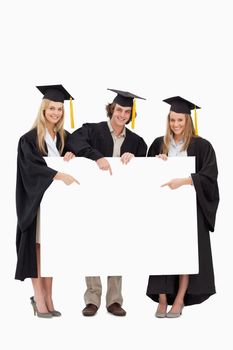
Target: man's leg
[114, 298]
[92, 295]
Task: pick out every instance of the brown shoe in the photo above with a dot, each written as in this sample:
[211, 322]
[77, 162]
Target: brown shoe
[90, 310]
[116, 309]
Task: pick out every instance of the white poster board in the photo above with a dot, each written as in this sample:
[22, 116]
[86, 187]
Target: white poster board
[120, 224]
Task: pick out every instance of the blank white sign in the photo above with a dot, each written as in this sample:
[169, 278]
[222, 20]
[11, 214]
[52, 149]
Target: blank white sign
[120, 224]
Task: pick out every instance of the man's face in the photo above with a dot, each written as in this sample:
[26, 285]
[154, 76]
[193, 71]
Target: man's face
[121, 115]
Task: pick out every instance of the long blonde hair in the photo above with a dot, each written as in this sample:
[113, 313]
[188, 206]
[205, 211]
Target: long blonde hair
[40, 125]
[189, 132]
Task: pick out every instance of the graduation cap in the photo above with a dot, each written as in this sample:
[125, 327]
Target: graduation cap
[127, 99]
[58, 93]
[180, 105]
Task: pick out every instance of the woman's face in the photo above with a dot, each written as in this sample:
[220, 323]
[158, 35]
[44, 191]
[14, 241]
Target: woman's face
[54, 112]
[177, 123]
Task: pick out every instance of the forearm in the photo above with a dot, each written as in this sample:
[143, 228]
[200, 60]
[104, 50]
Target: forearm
[90, 153]
[188, 180]
[58, 176]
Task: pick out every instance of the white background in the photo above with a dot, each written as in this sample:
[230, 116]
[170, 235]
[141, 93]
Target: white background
[155, 49]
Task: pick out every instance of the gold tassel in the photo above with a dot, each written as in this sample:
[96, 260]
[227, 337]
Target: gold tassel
[195, 121]
[71, 114]
[133, 114]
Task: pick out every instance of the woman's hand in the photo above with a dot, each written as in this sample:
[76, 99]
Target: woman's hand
[176, 183]
[68, 156]
[66, 178]
[126, 157]
[162, 156]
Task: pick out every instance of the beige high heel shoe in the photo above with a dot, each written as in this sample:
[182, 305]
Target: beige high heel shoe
[55, 313]
[160, 314]
[175, 314]
[37, 313]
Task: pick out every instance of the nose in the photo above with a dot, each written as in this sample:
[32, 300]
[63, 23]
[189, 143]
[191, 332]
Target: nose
[55, 112]
[125, 114]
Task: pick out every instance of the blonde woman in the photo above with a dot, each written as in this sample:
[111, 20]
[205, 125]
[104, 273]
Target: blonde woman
[46, 138]
[181, 140]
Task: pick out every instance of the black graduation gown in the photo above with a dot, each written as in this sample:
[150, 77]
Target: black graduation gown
[201, 286]
[94, 141]
[33, 178]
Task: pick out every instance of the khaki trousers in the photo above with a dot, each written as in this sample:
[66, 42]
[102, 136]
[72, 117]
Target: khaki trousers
[94, 290]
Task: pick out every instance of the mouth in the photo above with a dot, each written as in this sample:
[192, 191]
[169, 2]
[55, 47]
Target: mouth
[121, 120]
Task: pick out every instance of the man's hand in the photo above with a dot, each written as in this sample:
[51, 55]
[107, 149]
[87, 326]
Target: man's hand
[103, 164]
[126, 157]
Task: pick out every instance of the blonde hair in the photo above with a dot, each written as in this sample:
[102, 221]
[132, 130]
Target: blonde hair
[189, 133]
[40, 125]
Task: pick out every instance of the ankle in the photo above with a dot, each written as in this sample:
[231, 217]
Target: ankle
[49, 303]
[179, 302]
[162, 301]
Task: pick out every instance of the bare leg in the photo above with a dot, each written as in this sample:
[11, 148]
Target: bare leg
[179, 300]
[162, 307]
[38, 286]
[47, 286]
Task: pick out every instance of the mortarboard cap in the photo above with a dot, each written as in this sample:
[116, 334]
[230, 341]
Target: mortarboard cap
[57, 93]
[180, 105]
[127, 99]
[124, 98]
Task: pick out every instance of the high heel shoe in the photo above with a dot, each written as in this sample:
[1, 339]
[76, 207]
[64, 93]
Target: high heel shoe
[37, 313]
[55, 313]
[175, 314]
[160, 314]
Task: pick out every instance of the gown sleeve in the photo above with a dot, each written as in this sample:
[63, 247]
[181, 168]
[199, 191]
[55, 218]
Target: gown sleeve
[33, 178]
[67, 136]
[155, 147]
[205, 182]
[141, 149]
[79, 143]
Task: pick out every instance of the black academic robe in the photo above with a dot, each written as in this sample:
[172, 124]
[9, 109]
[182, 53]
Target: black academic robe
[201, 285]
[94, 141]
[33, 178]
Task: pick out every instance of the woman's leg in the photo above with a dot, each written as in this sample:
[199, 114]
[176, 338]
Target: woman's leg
[162, 307]
[38, 287]
[179, 300]
[47, 285]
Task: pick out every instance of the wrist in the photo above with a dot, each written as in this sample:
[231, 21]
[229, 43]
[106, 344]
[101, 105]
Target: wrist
[189, 181]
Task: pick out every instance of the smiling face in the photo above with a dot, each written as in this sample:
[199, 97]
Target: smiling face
[120, 116]
[53, 113]
[177, 122]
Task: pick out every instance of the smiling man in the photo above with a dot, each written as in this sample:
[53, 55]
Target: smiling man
[97, 141]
